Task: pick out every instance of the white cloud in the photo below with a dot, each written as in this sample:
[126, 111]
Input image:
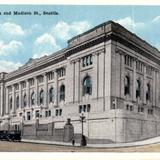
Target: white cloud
[65, 31]
[130, 24]
[45, 45]
[8, 66]
[10, 48]
[11, 29]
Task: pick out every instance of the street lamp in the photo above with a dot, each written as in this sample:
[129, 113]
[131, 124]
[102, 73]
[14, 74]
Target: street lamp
[83, 139]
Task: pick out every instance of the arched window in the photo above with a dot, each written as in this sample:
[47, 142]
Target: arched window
[33, 98]
[138, 88]
[87, 85]
[41, 98]
[62, 92]
[17, 102]
[148, 92]
[10, 103]
[51, 95]
[24, 100]
[126, 85]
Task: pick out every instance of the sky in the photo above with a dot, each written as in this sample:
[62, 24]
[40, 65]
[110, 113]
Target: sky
[33, 36]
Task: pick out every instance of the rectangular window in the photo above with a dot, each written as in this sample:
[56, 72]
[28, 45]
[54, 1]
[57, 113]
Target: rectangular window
[61, 72]
[40, 79]
[37, 114]
[28, 116]
[87, 60]
[50, 76]
[56, 112]
[31, 82]
[88, 107]
[46, 113]
[49, 113]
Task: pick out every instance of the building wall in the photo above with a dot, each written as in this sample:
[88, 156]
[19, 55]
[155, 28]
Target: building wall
[113, 115]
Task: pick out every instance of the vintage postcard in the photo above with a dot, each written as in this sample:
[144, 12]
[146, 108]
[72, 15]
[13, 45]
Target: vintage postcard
[79, 78]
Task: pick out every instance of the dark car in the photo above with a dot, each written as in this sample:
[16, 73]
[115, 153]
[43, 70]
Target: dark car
[14, 135]
[3, 135]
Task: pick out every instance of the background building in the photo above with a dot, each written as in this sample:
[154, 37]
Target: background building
[107, 73]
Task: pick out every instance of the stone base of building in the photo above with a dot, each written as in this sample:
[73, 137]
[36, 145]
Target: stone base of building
[116, 127]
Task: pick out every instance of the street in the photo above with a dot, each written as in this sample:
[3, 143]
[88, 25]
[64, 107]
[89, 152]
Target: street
[32, 147]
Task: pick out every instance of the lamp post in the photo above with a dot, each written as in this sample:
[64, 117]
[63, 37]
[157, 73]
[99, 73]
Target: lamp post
[83, 139]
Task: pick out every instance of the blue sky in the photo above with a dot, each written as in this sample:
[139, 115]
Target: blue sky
[23, 37]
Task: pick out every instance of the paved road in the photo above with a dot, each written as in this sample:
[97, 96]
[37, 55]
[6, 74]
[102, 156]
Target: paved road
[32, 147]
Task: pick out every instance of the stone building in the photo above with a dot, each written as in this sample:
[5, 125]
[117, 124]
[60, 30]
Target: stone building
[107, 73]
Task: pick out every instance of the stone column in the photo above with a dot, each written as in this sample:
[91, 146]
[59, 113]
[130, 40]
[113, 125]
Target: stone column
[20, 95]
[2, 98]
[74, 79]
[7, 98]
[13, 99]
[144, 85]
[122, 75]
[56, 88]
[46, 90]
[157, 88]
[134, 80]
[96, 75]
[36, 91]
[154, 89]
[76, 89]
[28, 93]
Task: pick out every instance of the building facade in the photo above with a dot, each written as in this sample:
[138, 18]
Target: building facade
[107, 73]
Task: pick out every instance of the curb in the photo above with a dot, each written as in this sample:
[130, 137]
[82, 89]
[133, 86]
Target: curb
[112, 145]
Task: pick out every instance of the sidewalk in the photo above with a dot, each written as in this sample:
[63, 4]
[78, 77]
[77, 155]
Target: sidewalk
[113, 145]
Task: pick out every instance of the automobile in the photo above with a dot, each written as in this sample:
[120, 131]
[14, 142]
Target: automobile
[10, 135]
[3, 134]
[14, 135]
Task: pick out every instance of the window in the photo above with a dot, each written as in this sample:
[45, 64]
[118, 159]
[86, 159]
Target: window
[139, 66]
[10, 103]
[28, 116]
[58, 112]
[149, 70]
[40, 79]
[31, 82]
[126, 85]
[37, 114]
[16, 87]
[61, 72]
[150, 111]
[148, 92]
[138, 89]
[17, 102]
[48, 113]
[50, 76]
[41, 98]
[23, 85]
[140, 109]
[51, 95]
[62, 92]
[84, 108]
[87, 60]
[128, 60]
[33, 98]
[24, 100]
[87, 86]
[127, 107]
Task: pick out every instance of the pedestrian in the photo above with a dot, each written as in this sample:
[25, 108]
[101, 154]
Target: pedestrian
[73, 142]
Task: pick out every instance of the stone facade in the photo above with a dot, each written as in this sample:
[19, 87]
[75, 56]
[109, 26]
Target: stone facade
[107, 73]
